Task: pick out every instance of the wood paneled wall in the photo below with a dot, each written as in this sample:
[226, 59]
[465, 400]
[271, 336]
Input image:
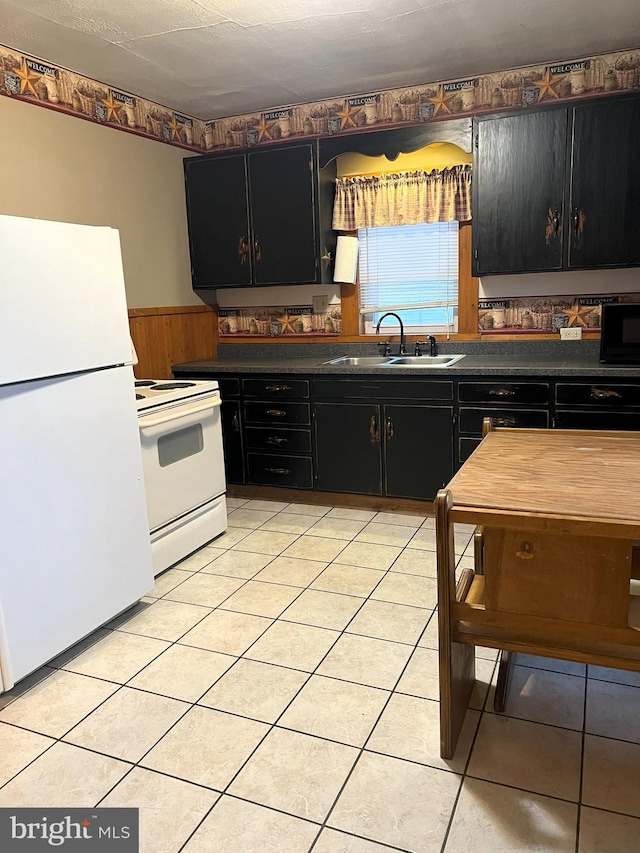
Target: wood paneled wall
[166, 336]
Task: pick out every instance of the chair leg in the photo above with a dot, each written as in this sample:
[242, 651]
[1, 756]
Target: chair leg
[505, 666]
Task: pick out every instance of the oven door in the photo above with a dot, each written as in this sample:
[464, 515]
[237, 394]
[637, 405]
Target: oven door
[182, 457]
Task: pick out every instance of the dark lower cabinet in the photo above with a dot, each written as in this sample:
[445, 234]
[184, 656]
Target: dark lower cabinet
[394, 438]
[396, 450]
[418, 450]
[568, 419]
[294, 472]
[232, 441]
[348, 448]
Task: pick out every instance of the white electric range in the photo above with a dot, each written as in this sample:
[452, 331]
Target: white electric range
[183, 464]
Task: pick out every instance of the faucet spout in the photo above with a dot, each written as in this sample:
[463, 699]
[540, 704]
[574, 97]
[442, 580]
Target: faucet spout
[402, 350]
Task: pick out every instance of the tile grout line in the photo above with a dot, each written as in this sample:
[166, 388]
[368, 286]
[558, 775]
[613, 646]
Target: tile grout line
[274, 725]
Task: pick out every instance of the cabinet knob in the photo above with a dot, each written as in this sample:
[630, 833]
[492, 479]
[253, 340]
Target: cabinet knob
[373, 430]
[276, 440]
[578, 221]
[604, 394]
[501, 392]
[243, 248]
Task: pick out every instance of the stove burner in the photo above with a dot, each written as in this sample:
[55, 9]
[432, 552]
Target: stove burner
[144, 383]
[139, 396]
[171, 386]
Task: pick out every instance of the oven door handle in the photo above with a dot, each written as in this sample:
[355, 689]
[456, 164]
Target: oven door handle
[175, 412]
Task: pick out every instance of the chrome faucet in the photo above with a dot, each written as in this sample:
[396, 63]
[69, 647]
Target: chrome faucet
[402, 350]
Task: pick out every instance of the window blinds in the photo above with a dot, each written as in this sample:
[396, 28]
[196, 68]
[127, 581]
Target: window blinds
[413, 268]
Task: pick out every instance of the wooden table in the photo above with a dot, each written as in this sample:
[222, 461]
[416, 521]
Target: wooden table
[557, 514]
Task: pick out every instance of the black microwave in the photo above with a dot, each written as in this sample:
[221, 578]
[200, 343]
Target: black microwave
[620, 333]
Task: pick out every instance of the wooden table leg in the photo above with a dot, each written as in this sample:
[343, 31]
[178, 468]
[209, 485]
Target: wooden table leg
[457, 660]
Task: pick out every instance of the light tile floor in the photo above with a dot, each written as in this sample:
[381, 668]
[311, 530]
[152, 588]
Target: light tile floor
[277, 691]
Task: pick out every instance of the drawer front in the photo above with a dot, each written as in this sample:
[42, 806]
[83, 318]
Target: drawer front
[466, 446]
[291, 471]
[598, 394]
[597, 420]
[471, 419]
[531, 393]
[229, 387]
[277, 412]
[281, 389]
[386, 389]
[268, 438]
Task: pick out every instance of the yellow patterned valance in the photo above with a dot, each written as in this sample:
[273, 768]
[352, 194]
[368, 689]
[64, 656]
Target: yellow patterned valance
[407, 198]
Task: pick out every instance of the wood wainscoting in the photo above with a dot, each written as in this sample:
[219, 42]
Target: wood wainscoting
[166, 336]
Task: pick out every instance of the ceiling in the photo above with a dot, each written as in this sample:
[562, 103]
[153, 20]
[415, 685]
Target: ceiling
[212, 58]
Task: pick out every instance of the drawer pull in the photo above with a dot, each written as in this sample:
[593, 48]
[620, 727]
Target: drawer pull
[505, 422]
[276, 413]
[389, 428]
[501, 392]
[277, 388]
[604, 394]
[235, 422]
[280, 471]
[277, 440]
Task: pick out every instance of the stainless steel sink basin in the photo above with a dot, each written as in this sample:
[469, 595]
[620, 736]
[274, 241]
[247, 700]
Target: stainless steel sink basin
[423, 360]
[417, 361]
[360, 361]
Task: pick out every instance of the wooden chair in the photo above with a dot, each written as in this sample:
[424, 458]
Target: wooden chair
[553, 557]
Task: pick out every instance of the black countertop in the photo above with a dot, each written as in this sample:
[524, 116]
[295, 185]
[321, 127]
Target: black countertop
[483, 358]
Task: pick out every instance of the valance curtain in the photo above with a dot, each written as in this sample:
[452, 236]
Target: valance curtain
[406, 198]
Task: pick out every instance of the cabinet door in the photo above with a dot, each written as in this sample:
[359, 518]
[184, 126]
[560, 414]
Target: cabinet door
[217, 212]
[605, 185]
[283, 215]
[418, 450]
[232, 441]
[349, 457]
[519, 176]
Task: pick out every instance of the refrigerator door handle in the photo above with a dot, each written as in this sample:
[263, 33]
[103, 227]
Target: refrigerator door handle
[170, 415]
[6, 681]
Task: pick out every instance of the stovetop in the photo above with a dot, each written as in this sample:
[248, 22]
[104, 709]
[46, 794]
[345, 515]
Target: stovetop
[152, 393]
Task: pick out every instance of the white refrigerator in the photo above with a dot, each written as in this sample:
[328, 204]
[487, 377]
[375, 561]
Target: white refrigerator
[74, 539]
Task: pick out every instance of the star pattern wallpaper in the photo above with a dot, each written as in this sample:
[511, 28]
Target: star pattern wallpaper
[40, 82]
[544, 314]
[268, 322]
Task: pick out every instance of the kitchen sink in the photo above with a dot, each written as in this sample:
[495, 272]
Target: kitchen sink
[418, 361]
[360, 361]
[423, 360]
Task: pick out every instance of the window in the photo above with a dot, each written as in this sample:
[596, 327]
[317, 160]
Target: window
[413, 270]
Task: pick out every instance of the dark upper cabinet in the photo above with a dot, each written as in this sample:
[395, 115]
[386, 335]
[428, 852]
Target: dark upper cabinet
[604, 223]
[518, 186]
[253, 218]
[218, 217]
[558, 188]
[283, 215]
